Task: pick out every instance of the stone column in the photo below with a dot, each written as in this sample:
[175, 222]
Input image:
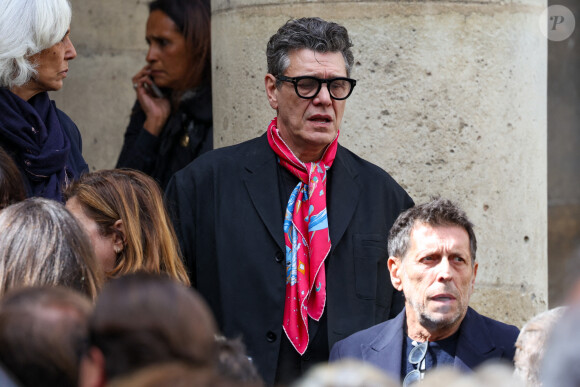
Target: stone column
[450, 100]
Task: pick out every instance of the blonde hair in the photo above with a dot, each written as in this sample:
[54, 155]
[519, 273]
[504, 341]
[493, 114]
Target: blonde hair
[41, 243]
[148, 236]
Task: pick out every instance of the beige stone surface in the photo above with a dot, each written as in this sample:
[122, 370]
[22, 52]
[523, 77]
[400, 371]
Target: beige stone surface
[513, 305]
[450, 99]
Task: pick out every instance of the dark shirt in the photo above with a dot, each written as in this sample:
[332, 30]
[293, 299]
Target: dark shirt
[438, 353]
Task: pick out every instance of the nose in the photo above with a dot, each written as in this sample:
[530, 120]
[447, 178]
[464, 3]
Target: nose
[70, 52]
[152, 53]
[323, 96]
[444, 270]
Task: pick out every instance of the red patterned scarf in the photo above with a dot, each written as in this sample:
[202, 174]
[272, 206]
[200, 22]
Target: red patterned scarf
[307, 239]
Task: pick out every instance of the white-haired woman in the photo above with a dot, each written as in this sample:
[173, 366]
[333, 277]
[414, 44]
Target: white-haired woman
[35, 49]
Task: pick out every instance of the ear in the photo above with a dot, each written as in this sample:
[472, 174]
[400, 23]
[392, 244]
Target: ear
[119, 237]
[395, 268]
[92, 369]
[475, 266]
[271, 90]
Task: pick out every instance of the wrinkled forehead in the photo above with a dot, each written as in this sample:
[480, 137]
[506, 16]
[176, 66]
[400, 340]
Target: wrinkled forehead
[305, 59]
[439, 238]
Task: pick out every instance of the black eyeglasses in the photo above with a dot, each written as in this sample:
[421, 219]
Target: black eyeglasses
[416, 357]
[308, 87]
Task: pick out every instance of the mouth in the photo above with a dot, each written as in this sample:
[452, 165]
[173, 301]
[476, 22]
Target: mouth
[443, 297]
[320, 119]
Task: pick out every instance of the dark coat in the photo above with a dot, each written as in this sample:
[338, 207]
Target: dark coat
[228, 214]
[75, 161]
[160, 157]
[480, 339]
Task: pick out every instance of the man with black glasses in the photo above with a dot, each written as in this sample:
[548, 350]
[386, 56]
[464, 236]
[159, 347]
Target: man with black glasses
[432, 261]
[285, 235]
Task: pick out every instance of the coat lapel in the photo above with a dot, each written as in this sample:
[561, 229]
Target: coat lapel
[385, 351]
[261, 181]
[343, 195]
[475, 344]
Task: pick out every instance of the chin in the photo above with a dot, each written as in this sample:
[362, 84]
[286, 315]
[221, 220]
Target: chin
[438, 320]
[55, 87]
[162, 82]
[322, 138]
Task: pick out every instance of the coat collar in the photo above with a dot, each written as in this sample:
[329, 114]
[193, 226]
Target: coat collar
[343, 195]
[386, 349]
[261, 182]
[474, 346]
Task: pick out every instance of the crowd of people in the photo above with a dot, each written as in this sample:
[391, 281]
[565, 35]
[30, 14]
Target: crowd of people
[285, 260]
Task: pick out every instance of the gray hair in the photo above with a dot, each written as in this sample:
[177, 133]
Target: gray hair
[311, 33]
[26, 28]
[531, 345]
[437, 212]
[41, 243]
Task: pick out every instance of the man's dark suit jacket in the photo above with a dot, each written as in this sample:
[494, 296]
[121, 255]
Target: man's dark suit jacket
[480, 339]
[228, 215]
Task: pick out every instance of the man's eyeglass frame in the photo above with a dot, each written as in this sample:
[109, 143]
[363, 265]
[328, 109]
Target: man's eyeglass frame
[295, 81]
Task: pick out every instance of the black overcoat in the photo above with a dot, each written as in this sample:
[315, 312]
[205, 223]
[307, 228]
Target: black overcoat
[228, 215]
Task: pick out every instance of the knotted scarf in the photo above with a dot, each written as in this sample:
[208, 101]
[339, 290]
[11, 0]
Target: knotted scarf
[306, 237]
[32, 132]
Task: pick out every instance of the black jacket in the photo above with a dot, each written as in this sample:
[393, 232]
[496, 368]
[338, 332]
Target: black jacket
[160, 157]
[229, 219]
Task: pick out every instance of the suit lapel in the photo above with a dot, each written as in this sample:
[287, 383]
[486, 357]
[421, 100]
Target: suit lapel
[385, 351]
[261, 181]
[475, 344]
[343, 195]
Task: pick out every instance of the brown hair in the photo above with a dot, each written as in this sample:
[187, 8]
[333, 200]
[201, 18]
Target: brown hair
[149, 239]
[11, 184]
[143, 319]
[41, 243]
[43, 330]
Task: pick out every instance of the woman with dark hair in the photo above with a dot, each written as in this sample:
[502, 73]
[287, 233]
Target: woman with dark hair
[11, 184]
[171, 122]
[35, 49]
